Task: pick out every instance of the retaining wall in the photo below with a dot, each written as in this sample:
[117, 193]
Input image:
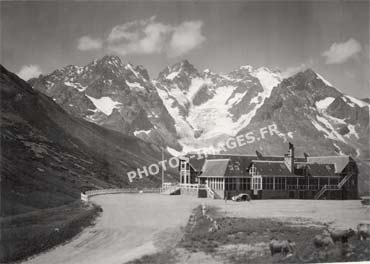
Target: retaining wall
[85, 196]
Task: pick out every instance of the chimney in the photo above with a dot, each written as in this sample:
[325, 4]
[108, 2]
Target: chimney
[289, 158]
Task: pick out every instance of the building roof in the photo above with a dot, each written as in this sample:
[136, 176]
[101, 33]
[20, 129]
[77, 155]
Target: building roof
[271, 168]
[215, 167]
[197, 161]
[238, 165]
[340, 162]
[315, 169]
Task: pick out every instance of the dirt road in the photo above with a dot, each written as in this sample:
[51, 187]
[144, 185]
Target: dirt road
[133, 225]
[130, 226]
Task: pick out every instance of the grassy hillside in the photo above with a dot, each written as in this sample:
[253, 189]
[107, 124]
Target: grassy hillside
[26, 234]
[48, 157]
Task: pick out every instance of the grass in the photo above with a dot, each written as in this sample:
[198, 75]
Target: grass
[246, 240]
[27, 234]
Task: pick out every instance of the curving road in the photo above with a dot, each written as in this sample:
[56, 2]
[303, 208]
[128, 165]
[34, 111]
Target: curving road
[133, 225]
[130, 226]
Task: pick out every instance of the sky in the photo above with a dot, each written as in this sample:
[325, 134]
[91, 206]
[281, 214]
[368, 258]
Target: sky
[331, 38]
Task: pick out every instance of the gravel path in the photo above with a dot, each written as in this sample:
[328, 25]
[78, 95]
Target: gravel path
[127, 229]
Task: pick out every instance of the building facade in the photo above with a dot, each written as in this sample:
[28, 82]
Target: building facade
[270, 177]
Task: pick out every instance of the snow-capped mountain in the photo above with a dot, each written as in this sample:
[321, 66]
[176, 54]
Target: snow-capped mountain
[186, 109]
[112, 94]
[315, 116]
[208, 107]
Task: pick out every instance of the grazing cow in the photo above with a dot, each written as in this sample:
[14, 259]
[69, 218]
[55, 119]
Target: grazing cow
[323, 240]
[341, 235]
[363, 230]
[284, 247]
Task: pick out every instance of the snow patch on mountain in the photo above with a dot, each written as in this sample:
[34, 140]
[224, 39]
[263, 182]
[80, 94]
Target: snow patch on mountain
[213, 116]
[104, 104]
[333, 119]
[236, 98]
[324, 80]
[246, 67]
[173, 152]
[129, 67]
[172, 75]
[324, 104]
[138, 132]
[329, 129]
[340, 152]
[135, 85]
[352, 101]
[77, 86]
[267, 79]
[352, 132]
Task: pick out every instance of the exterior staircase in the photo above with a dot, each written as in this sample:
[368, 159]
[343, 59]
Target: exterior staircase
[210, 193]
[169, 188]
[344, 180]
[332, 187]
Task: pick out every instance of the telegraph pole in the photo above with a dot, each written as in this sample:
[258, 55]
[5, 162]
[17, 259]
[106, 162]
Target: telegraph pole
[162, 167]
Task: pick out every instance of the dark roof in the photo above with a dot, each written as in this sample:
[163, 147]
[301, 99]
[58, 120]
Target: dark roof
[278, 168]
[315, 169]
[197, 161]
[215, 167]
[271, 168]
[340, 162]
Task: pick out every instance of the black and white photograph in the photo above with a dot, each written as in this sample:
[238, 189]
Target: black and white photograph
[192, 131]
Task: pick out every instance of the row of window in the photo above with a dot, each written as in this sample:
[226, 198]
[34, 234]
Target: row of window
[267, 183]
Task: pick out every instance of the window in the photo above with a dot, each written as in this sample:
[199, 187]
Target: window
[257, 183]
[253, 170]
[248, 183]
[243, 184]
[268, 183]
[237, 165]
[279, 183]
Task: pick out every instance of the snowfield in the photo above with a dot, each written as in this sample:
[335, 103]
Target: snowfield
[213, 117]
[133, 225]
[104, 104]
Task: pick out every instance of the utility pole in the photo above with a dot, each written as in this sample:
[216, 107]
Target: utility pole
[162, 167]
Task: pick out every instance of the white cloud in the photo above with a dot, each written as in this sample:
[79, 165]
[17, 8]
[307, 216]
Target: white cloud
[86, 43]
[290, 71]
[149, 37]
[29, 71]
[341, 52]
[187, 36]
[139, 37]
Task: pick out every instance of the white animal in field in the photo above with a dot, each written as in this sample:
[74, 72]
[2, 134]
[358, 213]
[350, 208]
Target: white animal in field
[341, 235]
[363, 230]
[284, 247]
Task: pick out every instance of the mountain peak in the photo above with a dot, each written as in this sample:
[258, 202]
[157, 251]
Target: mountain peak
[181, 69]
[111, 60]
[247, 68]
[184, 65]
[311, 74]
